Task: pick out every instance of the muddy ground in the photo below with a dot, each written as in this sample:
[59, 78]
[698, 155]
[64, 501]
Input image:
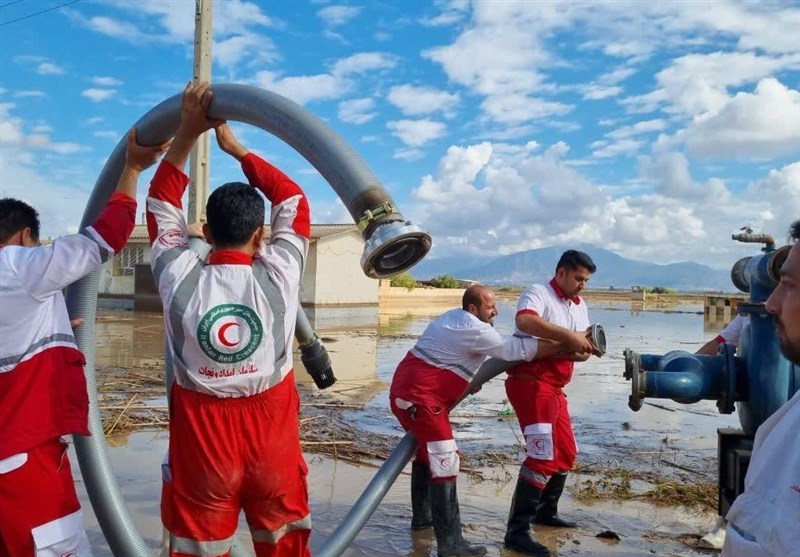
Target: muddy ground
[649, 477]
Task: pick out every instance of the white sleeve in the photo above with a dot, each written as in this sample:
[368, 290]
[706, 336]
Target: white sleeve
[286, 252]
[532, 301]
[733, 332]
[506, 347]
[170, 256]
[45, 270]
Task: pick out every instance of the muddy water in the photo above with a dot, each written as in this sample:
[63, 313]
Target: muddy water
[366, 348]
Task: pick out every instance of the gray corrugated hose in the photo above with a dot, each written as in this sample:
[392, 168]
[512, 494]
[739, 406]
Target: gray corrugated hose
[377, 488]
[391, 246]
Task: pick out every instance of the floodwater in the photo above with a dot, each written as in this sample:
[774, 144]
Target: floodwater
[664, 438]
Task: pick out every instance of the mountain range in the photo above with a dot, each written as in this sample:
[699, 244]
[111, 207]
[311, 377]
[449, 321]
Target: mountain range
[613, 270]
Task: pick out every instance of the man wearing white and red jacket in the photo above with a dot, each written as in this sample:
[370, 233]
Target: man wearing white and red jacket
[234, 437]
[552, 312]
[42, 385]
[430, 380]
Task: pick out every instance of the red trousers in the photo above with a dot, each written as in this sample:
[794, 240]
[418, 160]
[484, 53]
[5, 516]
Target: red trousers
[233, 454]
[39, 509]
[436, 445]
[544, 419]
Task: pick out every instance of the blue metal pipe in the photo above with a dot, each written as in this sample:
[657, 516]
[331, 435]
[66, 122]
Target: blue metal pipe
[770, 379]
[684, 377]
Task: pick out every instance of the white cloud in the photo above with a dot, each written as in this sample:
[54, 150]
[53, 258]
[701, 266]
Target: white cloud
[107, 134]
[515, 109]
[98, 95]
[413, 100]
[249, 47]
[593, 91]
[333, 16]
[357, 111]
[305, 88]
[22, 94]
[500, 55]
[235, 21]
[67, 148]
[762, 124]
[606, 85]
[452, 12]
[14, 137]
[409, 155]
[416, 133]
[48, 68]
[670, 175]
[621, 141]
[60, 202]
[698, 83]
[529, 192]
[115, 28]
[364, 62]
[310, 88]
[105, 81]
[624, 146]
[644, 126]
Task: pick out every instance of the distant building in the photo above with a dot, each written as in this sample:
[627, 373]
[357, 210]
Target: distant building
[333, 273]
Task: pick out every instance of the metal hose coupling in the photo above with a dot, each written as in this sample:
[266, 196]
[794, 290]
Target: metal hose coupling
[597, 336]
[391, 243]
[317, 363]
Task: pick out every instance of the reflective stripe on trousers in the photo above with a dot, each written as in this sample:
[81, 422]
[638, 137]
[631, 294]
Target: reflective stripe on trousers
[273, 537]
[188, 546]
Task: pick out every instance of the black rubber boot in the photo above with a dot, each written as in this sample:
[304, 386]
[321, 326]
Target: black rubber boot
[547, 513]
[420, 496]
[518, 532]
[447, 523]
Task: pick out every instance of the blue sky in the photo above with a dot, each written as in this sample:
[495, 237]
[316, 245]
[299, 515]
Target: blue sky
[653, 129]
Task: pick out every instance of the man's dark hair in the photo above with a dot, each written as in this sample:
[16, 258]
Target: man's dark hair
[234, 211]
[573, 259]
[794, 231]
[16, 215]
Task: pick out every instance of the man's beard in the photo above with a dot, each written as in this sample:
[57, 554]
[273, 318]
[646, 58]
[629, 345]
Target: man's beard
[790, 352]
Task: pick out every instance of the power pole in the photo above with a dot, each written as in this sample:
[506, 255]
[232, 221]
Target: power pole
[200, 161]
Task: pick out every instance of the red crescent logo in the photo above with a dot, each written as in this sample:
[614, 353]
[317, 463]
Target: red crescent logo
[221, 335]
[539, 444]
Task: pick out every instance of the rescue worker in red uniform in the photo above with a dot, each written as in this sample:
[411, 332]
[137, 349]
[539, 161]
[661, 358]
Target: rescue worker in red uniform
[42, 385]
[229, 321]
[553, 312]
[428, 382]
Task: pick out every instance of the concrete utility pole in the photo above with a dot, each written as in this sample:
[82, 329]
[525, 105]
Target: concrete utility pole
[200, 161]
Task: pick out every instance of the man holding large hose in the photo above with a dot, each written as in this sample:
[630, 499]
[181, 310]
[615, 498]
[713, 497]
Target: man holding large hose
[234, 437]
[431, 379]
[42, 385]
[553, 312]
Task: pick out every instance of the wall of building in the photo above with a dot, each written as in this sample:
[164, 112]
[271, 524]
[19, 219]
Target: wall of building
[333, 273]
[117, 276]
[308, 284]
[339, 278]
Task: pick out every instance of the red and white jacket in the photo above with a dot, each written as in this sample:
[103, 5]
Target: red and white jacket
[229, 321]
[549, 302]
[42, 384]
[438, 369]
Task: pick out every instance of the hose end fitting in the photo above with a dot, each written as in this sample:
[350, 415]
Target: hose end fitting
[317, 363]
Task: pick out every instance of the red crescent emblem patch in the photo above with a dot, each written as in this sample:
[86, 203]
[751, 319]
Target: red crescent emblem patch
[221, 335]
